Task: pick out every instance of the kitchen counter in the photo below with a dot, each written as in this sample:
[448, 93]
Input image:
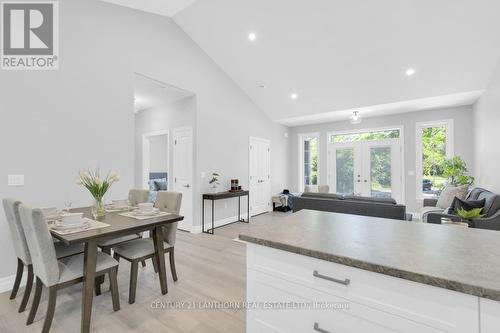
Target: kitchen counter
[453, 258]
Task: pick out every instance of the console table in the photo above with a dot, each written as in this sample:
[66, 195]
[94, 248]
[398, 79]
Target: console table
[219, 196]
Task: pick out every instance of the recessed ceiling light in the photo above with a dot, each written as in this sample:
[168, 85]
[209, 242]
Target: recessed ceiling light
[410, 72]
[252, 36]
[294, 96]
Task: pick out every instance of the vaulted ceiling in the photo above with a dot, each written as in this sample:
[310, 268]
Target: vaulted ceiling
[340, 55]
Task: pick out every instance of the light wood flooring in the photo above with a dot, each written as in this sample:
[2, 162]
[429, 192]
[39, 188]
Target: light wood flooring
[211, 268]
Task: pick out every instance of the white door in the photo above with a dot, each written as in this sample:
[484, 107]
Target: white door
[369, 168]
[183, 173]
[260, 175]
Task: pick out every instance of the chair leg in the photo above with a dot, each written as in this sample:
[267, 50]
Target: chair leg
[172, 264]
[27, 290]
[36, 302]
[133, 281]
[51, 307]
[116, 257]
[113, 281]
[19, 275]
[155, 264]
[97, 285]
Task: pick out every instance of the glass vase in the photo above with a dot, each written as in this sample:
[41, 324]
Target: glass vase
[99, 208]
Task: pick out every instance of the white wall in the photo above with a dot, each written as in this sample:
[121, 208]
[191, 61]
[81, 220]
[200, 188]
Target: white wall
[464, 146]
[54, 123]
[158, 153]
[487, 134]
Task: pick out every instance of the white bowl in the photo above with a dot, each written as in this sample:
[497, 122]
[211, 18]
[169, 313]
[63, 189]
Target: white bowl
[120, 203]
[71, 218]
[146, 207]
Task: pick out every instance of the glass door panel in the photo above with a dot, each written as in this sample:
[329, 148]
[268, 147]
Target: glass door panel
[380, 172]
[344, 169]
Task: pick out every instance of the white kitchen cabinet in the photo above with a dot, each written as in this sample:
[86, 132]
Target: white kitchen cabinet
[376, 302]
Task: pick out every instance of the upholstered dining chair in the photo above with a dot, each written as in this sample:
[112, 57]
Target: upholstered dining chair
[135, 197]
[57, 274]
[143, 249]
[11, 208]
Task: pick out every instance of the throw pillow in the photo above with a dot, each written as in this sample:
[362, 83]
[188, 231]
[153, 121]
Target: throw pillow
[466, 205]
[160, 185]
[449, 193]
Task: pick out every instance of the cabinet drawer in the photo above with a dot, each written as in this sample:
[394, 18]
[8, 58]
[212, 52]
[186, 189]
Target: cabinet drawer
[443, 309]
[354, 319]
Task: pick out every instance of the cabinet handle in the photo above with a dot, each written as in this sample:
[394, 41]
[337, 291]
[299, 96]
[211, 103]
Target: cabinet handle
[321, 276]
[319, 329]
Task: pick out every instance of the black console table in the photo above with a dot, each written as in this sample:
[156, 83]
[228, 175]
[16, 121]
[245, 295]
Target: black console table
[219, 196]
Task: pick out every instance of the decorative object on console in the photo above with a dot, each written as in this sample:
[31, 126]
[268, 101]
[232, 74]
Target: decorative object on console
[214, 182]
[97, 186]
[234, 185]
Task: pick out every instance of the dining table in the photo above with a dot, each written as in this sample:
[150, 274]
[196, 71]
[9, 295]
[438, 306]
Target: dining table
[119, 225]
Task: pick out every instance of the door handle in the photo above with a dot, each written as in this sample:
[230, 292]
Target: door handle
[319, 329]
[187, 185]
[365, 181]
[345, 282]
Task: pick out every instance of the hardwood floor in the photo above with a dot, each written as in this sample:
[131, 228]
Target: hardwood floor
[211, 270]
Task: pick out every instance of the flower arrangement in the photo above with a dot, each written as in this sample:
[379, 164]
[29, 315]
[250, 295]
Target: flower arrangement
[214, 181]
[97, 186]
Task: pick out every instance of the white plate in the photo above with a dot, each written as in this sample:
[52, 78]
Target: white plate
[138, 212]
[59, 226]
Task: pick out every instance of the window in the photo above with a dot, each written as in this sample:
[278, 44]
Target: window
[434, 146]
[366, 136]
[309, 151]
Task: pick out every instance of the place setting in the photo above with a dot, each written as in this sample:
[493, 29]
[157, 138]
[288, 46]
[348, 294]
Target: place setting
[118, 206]
[145, 211]
[64, 222]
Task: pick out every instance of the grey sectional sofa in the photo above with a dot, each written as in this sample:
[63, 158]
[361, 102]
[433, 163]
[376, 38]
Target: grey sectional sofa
[366, 206]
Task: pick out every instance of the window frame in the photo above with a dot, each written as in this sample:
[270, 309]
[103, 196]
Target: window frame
[301, 139]
[450, 146]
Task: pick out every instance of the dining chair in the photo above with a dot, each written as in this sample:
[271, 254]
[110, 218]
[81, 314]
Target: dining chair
[11, 208]
[57, 274]
[143, 249]
[135, 197]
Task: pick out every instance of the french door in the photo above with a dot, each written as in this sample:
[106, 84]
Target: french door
[366, 168]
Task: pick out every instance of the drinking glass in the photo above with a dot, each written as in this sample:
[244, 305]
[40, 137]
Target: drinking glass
[94, 212]
[68, 204]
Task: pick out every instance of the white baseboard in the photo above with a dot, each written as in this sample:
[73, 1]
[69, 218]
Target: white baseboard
[6, 283]
[196, 229]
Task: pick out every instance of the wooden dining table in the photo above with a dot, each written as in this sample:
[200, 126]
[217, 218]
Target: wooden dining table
[118, 226]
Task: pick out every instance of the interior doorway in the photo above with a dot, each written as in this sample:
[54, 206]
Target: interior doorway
[155, 150]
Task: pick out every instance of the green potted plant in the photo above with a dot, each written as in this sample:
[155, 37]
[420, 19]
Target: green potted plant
[455, 170]
[470, 215]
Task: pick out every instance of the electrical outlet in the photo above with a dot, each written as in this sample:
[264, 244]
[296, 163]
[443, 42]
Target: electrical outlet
[15, 180]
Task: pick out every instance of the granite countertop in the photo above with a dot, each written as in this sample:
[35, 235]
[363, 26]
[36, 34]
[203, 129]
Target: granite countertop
[454, 258]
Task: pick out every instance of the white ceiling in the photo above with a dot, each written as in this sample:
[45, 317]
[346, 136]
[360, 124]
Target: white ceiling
[162, 7]
[150, 93]
[339, 55]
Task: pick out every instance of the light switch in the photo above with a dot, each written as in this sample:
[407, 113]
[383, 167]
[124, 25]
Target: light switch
[15, 180]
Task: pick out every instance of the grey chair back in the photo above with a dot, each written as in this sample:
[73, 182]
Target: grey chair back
[137, 196]
[169, 202]
[40, 244]
[11, 208]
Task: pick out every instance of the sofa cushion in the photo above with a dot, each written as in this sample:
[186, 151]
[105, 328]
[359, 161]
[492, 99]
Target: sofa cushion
[449, 193]
[322, 195]
[467, 205]
[371, 199]
[492, 200]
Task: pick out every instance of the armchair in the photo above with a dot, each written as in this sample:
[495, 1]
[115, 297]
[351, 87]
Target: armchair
[491, 211]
